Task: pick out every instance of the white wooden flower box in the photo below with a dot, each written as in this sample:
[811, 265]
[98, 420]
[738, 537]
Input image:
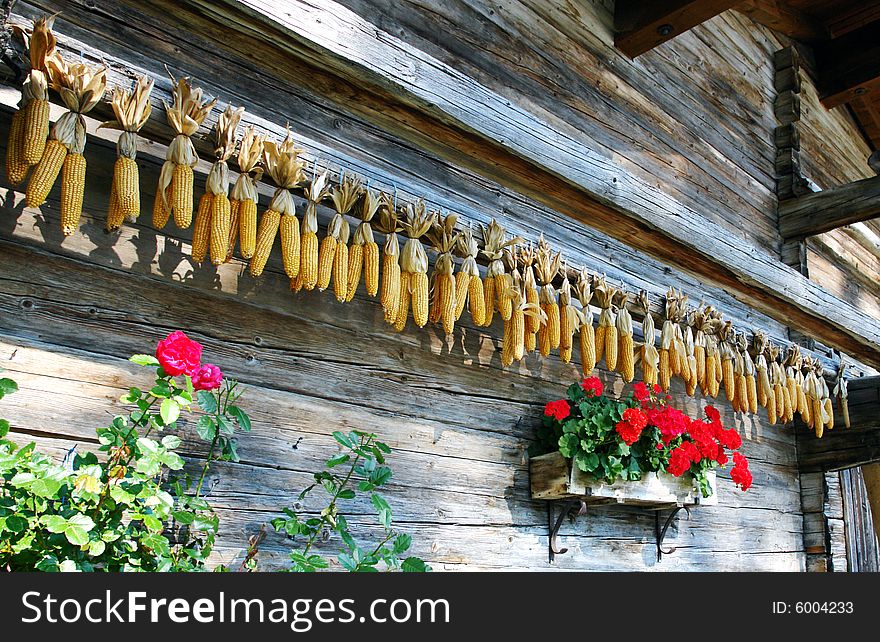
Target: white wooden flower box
[553, 477]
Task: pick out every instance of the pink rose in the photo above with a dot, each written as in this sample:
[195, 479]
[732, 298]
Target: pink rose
[178, 354]
[207, 377]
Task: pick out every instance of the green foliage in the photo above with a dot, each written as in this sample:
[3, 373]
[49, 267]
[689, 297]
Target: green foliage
[366, 471]
[129, 511]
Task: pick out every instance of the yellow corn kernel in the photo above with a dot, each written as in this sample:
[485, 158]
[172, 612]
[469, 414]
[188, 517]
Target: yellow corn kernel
[533, 323]
[115, 217]
[341, 268]
[390, 294]
[829, 410]
[234, 225]
[599, 339]
[611, 347]
[505, 305]
[220, 222]
[45, 173]
[419, 287]
[434, 309]
[247, 225]
[36, 131]
[477, 301]
[309, 260]
[803, 406]
[202, 228]
[161, 211]
[265, 240]
[787, 408]
[326, 254]
[489, 301]
[296, 283]
[125, 180]
[446, 286]
[371, 268]
[625, 358]
[816, 414]
[402, 311]
[752, 394]
[566, 334]
[356, 260]
[700, 356]
[729, 379]
[514, 335]
[73, 186]
[182, 196]
[742, 394]
[709, 374]
[780, 399]
[771, 409]
[291, 247]
[588, 349]
[462, 285]
[16, 167]
[664, 371]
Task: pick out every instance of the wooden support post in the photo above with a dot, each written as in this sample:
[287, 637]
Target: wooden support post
[829, 209]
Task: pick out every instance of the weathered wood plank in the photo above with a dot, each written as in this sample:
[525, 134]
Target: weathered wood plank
[819, 212]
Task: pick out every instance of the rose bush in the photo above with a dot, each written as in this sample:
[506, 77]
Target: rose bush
[622, 439]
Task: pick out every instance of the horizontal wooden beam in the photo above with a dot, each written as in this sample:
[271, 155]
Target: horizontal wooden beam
[829, 209]
[845, 447]
[641, 26]
[786, 19]
[849, 67]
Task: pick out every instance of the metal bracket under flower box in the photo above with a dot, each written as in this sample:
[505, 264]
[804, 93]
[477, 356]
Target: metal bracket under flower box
[553, 478]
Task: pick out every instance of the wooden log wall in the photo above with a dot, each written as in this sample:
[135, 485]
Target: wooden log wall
[73, 309]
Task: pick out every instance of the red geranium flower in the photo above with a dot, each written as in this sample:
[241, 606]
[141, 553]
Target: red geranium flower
[740, 473]
[592, 384]
[713, 414]
[178, 354]
[657, 389]
[641, 392]
[679, 462]
[730, 439]
[558, 409]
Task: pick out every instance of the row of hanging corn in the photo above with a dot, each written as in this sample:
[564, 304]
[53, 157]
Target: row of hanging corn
[695, 344]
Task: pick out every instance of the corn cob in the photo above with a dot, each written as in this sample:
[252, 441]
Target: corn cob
[468, 281]
[34, 105]
[217, 184]
[689, 361]
[513, 348]
[509, 283]
[586, 333]
[648, 355]
[244, 197]
[186, 113]
[366, 258]
[667, 342]
[16, 167]
[824, 397]
[497, 284]
[132, 110]
[530, 287]
[802, 406]
[73, 184]
[161, 209]
[234, 226]
[751, 381]
[114, 211]
[841, 393]
[726, 338]
[402, 311]
[306, 261]
[389, 224]
[46, 172]
[327, 254]
[625, 345]
[568, 320]
[202, 229]
[266, 236]
[414, 261]
[697, 320]
[546, 268]
[341, 269]
[343, 196]
[444, 239]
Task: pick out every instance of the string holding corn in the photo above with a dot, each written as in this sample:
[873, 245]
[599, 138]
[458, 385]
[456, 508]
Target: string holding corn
[81, 87]
[648, 355]
[243, 198]
[285, 166]
[468, 284]
[29, 129]
[568, 319]
[414, 266]
[389, 225]
[528, 256]
[132, 110]
[344, 196]
[443, 239]
[546, 268]
[364, 253]
[625, 344]
[586, 333]
[498, 283]
[841, 393]
[174, 193]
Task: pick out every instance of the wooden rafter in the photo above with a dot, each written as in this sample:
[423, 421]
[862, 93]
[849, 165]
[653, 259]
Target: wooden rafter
[641, 26]
[846, 447]
[849, 66]
[782, 17]
[829, 209]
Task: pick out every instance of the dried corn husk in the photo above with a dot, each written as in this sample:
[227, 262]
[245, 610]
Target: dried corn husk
[389, 224]
[365, 259]
[513, 342]
[841, 393]
[444, 239]
[344, 196]
[568, 320]
[528, 255]
[649, 357]
[625, 345]
[546, 269]
[244, 197]
[469, 285]
[498, 283]
[414, 264]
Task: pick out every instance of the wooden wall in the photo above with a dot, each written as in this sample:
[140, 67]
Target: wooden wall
[73, 309]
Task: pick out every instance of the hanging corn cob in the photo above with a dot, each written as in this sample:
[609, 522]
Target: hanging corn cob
[284, 165]
[740, 345]
[132, 110]
[696, 320]
[174, 193]
[841, 393]
[648, 355]
[751, 381]
[364, 252]
[625, 345]
[217, 184]
[690, 361]
[547, 267]
[528, 255]
[568, 319]
[793, 379]
[81, 87]
[824, 396]
[389, 224]
[301, 261]
[498, 283]
[728, 355]
[606, 331]
[341, 265]
[468, 284]
[414, 266]
[444, 238]
[30, 124]
[586, 333]
[513, 342]
[244, 198]
[344, 196]
[667, 350]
